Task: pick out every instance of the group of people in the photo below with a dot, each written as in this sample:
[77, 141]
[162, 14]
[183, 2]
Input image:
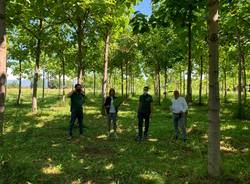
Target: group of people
[179, 109]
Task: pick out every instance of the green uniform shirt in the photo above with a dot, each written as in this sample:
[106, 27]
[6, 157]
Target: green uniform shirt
[77, 100]
[145, 103]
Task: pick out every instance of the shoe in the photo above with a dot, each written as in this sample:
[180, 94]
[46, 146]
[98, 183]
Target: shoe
[69, 138]
[138, 138]
[145, 136]
[175, 138]
[115, 135]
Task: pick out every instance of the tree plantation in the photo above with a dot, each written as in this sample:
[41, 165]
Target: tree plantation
[95, 91]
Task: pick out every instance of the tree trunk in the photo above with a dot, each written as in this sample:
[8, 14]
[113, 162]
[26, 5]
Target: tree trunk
[20, 83]
[94, 82]
[122, 84]
[244, 79]
[63, 73]
[184, 84]
[80, 50]
[105, 72]
[38, 53]
[189, 79]
[201, 76]
[214, 101]
[180, 87]
[3, 60]
[225, 84]
[240, 108]
[158, 82]
[126, 78]
[43, 84]
[165, 82]
[59, 83]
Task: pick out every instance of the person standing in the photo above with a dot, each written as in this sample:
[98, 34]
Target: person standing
[76, 108]
[179, 109]
[111, 111]
[144, 113]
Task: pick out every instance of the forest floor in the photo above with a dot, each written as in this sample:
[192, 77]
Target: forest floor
[36, 149]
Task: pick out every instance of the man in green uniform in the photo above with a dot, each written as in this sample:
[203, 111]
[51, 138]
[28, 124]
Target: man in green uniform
[77, 98]
[144, 113]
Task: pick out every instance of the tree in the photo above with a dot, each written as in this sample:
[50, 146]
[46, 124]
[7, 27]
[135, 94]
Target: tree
[3, 55]
[214, 101]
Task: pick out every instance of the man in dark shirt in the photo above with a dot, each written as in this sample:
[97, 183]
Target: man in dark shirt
[76, 109]
[144, 113]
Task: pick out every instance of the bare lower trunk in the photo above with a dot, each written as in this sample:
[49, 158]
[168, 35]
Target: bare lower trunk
[63, 73]
[94, 82]
[126, 78]
[240, 108]
[184, 84]
[201, 76]
[80, 50]
[20, 83]
[122, 84]
[214, 101]
[3, 60]
[105, 72]
[244, 79]
[59, 84]
[225, 84]
[158, 83]
[43, 84]
[180, 87]
[165, 82]
[189, 79]
[36, 72]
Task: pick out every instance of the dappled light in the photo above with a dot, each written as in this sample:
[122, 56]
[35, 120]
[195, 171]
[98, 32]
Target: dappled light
[51, 169]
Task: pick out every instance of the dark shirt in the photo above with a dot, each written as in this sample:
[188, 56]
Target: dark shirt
[77, 100]
[145, 103]
[108, 103]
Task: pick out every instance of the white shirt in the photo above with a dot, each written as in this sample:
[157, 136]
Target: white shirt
[179, 105]
[112, 107]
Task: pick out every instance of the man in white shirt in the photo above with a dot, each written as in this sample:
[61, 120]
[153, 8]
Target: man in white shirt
[179, 109]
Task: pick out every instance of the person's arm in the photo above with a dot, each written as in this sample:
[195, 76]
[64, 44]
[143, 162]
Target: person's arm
[185, 106]
[70, 93]
[139, 105]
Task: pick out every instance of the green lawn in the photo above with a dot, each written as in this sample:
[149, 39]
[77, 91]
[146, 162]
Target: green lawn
[36, 149]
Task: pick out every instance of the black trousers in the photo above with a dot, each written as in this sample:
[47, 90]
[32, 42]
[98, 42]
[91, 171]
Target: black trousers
[143, 116]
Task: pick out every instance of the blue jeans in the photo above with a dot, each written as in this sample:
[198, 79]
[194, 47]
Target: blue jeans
[112, 119]
[179, 122]
[79, 116]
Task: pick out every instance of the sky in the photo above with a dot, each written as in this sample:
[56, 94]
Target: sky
[144, 7]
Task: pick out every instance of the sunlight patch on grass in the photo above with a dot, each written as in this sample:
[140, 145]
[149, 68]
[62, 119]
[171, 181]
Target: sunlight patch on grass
[103, 136]
[52, 169]
[78, 181]
[39, 125]
[151, 176]
[245, 128]
[81, 161]
[152, 139]
[227, 127]
[227, 147]
[109, 166]
[205, 136]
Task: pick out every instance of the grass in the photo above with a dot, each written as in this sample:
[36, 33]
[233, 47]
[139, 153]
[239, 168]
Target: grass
[36, 150]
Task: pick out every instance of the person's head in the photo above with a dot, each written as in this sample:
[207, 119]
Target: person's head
[112, 92]
[78, 88]
[145, 90]
[176, 94]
